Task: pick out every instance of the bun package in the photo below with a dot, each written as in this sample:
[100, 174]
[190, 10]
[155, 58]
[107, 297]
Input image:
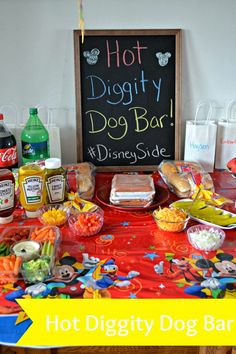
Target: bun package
[182, 177]
[81, 179]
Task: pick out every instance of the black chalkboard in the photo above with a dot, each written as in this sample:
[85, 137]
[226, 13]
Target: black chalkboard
[127, 94]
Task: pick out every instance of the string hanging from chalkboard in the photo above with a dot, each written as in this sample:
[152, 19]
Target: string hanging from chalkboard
[81, 19]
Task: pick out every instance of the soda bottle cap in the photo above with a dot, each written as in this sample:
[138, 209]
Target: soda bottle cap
[53, 163]
[1, 116]
[33, 110]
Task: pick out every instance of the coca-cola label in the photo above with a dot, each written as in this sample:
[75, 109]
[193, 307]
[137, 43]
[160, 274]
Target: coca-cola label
[8, 156]
[6, 194]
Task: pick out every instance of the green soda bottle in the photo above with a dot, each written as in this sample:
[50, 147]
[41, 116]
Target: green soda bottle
[34, 139]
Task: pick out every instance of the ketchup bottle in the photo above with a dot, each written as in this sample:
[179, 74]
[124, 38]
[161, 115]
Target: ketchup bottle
[7, 196]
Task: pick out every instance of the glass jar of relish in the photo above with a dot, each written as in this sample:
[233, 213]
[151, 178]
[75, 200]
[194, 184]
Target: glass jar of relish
[55, 181]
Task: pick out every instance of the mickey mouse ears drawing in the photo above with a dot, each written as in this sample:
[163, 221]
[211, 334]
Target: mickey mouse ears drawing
[92, 56]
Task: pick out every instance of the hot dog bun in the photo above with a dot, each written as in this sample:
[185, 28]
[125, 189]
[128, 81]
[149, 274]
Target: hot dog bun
[183, 176]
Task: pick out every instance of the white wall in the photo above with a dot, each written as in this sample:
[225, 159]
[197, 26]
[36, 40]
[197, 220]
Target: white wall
[36, 51]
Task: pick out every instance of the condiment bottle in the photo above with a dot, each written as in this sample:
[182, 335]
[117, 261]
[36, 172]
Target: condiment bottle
[34, 139]
[8, 148]
[32, 191]
[7, 196]
[55, 180]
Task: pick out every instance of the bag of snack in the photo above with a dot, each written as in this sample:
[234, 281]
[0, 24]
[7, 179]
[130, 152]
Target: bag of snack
[80, 179]
[182, 177]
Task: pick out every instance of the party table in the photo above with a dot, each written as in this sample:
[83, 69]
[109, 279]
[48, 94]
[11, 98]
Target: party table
[149, 263]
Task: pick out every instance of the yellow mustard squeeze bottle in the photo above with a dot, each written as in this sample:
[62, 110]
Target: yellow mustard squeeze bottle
[32, 191]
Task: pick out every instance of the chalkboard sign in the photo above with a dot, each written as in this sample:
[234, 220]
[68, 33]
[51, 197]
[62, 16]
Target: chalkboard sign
[127, 97]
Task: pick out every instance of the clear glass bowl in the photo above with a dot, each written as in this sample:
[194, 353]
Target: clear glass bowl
[54, 214]
[86, 224]
[26, 249]
[170, 226]
[205, 238]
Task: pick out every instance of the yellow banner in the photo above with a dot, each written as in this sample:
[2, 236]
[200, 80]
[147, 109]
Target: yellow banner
[129, 322]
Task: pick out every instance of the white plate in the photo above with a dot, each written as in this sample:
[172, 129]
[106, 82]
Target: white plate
[231, 226]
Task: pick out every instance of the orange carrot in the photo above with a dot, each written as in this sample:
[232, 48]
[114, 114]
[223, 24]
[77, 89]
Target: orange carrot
[33, 235]
[42, 234]
[17, 265]
[7, 266]
[51, 233]
[36, 230]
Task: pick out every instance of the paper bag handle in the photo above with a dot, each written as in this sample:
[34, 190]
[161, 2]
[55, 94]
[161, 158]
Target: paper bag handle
[229, 109]
[209, 114]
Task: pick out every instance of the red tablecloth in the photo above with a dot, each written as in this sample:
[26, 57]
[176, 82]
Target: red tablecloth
[165, 264]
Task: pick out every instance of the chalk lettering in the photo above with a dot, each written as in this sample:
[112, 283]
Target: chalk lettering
[101, 153]
[99, 122]
[158, 88]
[102, 123]
[115, 93]
[128, 56]
[142, 122]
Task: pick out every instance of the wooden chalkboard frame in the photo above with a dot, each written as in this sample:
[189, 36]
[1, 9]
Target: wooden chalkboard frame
[79, 123]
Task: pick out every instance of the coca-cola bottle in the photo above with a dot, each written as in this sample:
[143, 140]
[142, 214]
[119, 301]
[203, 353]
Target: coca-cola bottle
[8, 148]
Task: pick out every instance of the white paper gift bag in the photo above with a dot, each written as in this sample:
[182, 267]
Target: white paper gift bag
[226, 138]
[200, 139]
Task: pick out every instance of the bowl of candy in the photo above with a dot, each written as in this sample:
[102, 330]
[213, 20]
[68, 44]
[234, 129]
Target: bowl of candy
[205, 238]
[87, 223]
[54, 215]
[171, 219]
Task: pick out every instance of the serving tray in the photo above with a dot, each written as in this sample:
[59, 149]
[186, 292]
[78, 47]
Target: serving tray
[231, 226]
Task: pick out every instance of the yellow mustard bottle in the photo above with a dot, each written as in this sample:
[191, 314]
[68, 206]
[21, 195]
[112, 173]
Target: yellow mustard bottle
[32, 191]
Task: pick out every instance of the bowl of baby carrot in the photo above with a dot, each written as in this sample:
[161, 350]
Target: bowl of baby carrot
[87, 223]
[28, 253]
[9, 268]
